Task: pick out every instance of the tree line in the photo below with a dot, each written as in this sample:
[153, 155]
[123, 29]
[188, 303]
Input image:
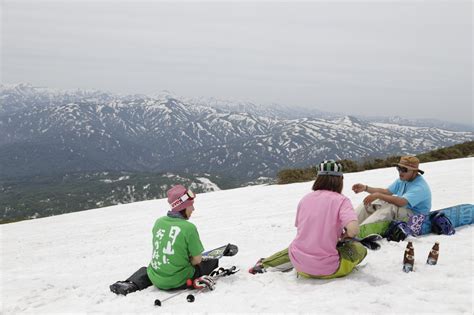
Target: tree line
[295, 175]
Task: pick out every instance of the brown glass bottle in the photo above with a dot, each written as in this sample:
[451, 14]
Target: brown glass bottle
[409, 258]
[433, 255]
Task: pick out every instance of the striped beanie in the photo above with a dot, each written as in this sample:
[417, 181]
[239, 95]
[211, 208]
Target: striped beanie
[330, 167]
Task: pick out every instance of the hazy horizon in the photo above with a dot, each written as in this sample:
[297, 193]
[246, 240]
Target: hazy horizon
[404, 58]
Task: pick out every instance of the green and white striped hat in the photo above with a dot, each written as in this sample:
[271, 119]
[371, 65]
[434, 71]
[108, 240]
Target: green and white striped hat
[330, 167]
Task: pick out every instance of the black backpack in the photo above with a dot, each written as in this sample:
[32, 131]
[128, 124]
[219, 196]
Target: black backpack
[440, 224]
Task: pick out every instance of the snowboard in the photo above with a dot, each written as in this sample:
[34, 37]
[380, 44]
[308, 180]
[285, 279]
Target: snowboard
[370, 241]
[219, 252]
[459, 215]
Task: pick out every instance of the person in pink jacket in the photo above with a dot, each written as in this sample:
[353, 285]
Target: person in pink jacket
[324, 217]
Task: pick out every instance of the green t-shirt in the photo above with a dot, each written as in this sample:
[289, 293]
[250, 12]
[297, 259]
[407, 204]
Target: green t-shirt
[175, 240]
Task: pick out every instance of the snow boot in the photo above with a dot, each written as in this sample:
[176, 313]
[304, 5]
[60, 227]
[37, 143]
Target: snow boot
[258, 267]
[138, 281]
[123, 287]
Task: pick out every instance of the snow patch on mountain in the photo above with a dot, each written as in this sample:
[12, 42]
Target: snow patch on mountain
[207, 184]
[137, 133]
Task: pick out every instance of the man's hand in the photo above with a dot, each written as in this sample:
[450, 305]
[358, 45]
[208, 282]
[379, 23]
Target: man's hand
[357, 188]
[370, 198]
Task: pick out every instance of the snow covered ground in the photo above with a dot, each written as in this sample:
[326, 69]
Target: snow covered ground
[65, 264]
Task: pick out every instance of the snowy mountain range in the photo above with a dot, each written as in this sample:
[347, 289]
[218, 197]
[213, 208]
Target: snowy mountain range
[46, 131]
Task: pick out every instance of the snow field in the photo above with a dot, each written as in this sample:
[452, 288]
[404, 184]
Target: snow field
[64, 264]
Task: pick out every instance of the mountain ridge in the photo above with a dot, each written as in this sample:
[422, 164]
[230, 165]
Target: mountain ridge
[52, 131]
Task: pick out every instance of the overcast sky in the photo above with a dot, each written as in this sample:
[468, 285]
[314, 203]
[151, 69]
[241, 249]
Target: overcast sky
[406, 58]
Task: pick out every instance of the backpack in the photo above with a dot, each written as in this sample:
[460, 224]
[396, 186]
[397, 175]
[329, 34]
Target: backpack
[397, 231]
[440, 224]
[415, 222]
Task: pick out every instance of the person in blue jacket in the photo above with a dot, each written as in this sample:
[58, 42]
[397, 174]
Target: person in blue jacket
[407, 196]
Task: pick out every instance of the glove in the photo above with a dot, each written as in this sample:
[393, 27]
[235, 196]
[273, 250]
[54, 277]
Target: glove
[204, 282]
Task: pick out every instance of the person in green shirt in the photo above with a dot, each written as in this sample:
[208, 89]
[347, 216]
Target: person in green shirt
[177, 250]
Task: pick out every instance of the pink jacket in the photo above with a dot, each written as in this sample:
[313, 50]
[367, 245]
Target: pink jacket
[320, 218]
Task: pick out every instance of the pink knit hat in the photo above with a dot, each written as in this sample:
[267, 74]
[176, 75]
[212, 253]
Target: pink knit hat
[180, 198]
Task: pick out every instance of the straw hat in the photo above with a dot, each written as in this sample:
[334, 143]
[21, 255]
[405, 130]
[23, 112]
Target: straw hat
[410, 162]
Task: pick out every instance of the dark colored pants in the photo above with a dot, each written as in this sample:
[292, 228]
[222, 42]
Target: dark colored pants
[140, 277]
[205, 267]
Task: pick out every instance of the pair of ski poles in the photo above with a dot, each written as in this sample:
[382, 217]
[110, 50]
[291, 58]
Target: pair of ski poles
[221, 272]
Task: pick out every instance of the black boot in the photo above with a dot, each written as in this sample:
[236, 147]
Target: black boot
[123, 287]
[138, 281]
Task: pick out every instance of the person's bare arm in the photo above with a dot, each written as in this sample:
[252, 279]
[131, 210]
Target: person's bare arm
[196, 260]
[398, 201]
[357, 188]
[351, 229]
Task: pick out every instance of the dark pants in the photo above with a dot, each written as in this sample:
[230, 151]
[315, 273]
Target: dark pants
[205, 268]
[140, 277]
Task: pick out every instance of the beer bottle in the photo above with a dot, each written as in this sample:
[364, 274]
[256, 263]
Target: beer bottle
[433, 255]
[409, 258]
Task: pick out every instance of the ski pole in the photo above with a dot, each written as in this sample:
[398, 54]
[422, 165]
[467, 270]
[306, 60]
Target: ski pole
[189, 284]
[191, 297]
[221, 272]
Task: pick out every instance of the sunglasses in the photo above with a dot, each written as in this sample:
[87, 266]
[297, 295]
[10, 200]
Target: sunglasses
[189, 195]
[402, 169]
